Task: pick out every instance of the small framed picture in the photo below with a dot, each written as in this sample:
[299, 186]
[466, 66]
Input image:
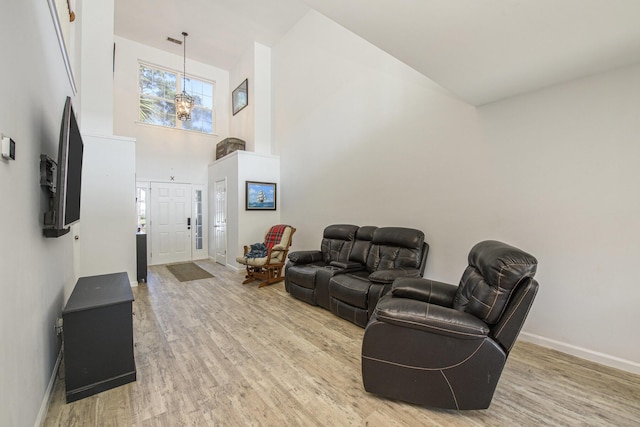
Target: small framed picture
[260, 196]
[240, 97]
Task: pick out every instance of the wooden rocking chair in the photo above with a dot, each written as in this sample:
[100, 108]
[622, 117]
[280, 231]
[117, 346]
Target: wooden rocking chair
[268, 266]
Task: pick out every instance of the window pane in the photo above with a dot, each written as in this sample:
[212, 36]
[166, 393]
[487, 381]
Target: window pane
[170, 86]
[158, 89]
[157, 111]
[196, 87]
[201, 121]
[207, 102]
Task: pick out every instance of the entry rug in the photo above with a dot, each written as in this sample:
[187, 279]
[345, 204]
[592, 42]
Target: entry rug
[188, 271]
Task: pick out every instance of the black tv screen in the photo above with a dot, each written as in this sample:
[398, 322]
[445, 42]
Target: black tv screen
[70, 135]
[64, 202]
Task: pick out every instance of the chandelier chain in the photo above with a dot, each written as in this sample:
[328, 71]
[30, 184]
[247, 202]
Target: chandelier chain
[184, 102]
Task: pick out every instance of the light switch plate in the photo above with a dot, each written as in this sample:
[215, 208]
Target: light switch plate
[8, 148]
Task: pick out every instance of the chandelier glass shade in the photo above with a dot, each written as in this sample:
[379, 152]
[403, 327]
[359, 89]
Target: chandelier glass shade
[184, 102]
[184, 105]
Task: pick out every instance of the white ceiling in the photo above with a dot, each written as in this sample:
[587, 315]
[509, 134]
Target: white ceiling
[480, 50]
[220, 31]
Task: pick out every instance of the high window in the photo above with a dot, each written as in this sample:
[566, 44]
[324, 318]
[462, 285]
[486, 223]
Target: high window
[158, 88]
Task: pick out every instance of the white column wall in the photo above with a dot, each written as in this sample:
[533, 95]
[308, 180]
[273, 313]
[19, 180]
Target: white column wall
[244, 227]
[108, 212]
[96, 59]
[253, 123]
[262, 97]
[242, 125]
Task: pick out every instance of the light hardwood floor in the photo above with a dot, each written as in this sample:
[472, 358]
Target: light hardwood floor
[215, 352]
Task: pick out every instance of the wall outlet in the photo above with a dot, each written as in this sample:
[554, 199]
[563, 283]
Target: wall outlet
[57, 326]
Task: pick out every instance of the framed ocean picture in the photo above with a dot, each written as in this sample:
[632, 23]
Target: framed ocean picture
[260, 196]
[240, 97]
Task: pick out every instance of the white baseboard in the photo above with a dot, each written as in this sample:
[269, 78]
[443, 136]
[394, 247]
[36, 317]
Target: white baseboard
[44, 406]
[583, 353]
[234, 268]
[229, 266]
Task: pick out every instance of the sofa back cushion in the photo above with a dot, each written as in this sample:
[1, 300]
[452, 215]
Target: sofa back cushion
[495, 270]
[395, 247]
[337, 241]
[362, 244]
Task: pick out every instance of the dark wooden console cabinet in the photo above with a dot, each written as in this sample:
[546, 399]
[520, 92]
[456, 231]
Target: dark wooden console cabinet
[98, 336]
[141, 257]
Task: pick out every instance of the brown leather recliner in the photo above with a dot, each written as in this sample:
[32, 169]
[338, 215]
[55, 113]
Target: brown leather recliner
[439, 345]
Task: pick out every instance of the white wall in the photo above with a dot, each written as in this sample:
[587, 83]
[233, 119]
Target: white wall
[162, 152]
[262, 99]
[242, 124]
[364, 139]
[244, 227]
[254, 224]
[567, 157]
[253, 123]
[96, 59]
[35, 270]
[108, 227]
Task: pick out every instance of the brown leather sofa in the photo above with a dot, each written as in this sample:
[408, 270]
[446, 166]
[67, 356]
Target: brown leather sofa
[439, 345]
[354, 267]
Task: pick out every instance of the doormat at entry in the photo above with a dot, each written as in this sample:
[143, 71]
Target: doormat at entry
[188, 271]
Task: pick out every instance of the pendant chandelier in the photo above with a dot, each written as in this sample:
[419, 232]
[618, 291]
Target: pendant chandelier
[184, 102]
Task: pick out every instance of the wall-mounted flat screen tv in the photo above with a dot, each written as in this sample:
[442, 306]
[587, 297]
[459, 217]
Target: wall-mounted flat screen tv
[64, 206]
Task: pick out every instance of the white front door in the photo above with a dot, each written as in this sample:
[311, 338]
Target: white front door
[170, 217]
[220, 223]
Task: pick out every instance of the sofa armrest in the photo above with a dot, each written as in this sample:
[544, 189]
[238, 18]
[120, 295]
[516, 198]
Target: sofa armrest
[409, 313]
[389, 276]
[425, 290]
[305, 257]
[347, 266]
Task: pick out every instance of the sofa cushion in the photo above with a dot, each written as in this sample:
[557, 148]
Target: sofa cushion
[351, 289]
[337, 241]
[395, 247]
[362, 244]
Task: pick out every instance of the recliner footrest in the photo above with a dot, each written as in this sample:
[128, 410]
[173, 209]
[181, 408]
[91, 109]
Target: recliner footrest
[350, 289]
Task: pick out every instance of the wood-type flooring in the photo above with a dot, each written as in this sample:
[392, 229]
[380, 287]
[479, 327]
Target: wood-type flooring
[215, 352]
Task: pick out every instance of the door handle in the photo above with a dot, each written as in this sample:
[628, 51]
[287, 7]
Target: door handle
[188, 223]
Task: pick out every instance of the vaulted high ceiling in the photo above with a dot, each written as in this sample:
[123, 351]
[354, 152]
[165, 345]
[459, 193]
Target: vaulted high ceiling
[481, 51]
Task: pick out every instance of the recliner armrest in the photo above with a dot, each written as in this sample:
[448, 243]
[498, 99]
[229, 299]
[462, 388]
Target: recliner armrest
[347, 266]
[305, 257]
[426, 290]
[409, 313]
[389, 276]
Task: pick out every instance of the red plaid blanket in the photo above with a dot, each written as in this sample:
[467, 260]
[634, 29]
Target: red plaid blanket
[274, 235]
